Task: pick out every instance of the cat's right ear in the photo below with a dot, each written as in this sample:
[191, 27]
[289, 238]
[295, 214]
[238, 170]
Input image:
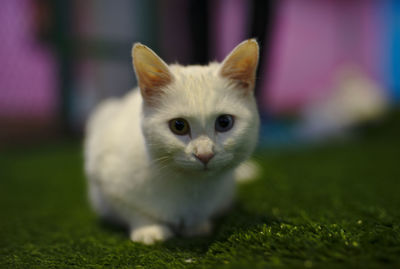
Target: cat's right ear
[151, 71]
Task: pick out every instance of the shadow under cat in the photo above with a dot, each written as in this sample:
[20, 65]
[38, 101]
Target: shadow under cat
[237, 219]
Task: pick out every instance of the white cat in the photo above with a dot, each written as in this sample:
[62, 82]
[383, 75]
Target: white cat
[162, 159]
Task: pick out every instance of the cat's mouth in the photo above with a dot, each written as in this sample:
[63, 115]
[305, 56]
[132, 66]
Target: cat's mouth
[197, 168]
[203, 168]
[193, 165]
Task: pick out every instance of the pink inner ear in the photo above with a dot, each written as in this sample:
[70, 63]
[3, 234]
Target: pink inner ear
[240, 66]
[152, 77]
[151, 86]
[152, 73]
[150, 83]
[242, 71]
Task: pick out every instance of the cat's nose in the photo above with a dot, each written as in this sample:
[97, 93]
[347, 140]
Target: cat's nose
[204, 158]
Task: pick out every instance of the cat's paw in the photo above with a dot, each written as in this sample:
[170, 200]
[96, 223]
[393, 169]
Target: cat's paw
[204, 228]
[150, 234]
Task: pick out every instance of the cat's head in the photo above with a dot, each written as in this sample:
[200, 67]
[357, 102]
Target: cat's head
[199, 118]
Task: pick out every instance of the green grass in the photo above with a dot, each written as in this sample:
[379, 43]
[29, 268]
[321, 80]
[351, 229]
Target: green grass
[336, 205]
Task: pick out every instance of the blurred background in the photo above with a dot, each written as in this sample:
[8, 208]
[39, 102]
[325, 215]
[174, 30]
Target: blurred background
[326, 67]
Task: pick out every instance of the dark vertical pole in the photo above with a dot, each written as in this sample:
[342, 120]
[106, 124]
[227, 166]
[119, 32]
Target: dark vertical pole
[198, 20]
[261, 28]
[63, 39]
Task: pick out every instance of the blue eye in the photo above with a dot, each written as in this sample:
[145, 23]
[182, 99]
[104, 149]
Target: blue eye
[179, 126]
[224, 123]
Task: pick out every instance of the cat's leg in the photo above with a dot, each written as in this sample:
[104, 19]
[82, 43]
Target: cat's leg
[148, 231]
[102, 207]
[141, 228]
[203, 228]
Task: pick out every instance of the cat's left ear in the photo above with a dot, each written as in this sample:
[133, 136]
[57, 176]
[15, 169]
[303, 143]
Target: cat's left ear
[151, 71]
[240, 65]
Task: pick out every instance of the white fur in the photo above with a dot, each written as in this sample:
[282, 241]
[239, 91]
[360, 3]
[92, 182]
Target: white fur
[143, 175]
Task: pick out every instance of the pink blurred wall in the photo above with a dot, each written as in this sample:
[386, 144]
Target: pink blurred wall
[312, 40]
[230, 27]
[28, 73]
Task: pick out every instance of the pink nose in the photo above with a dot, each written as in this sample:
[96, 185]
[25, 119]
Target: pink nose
[204, 158]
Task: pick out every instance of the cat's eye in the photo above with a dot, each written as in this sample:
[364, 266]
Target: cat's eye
[179, 126]
[224, 123]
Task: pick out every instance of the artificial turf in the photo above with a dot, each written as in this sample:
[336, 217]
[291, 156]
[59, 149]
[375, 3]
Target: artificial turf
[333, 205]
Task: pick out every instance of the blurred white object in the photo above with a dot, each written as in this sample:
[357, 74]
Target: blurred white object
[355, 99]
[247, 171]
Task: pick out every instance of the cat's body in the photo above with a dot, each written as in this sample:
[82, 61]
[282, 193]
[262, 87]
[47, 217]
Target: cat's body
[160, 179]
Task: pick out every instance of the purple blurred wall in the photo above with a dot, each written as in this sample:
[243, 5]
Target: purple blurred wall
[28, 73]
[313, 40]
